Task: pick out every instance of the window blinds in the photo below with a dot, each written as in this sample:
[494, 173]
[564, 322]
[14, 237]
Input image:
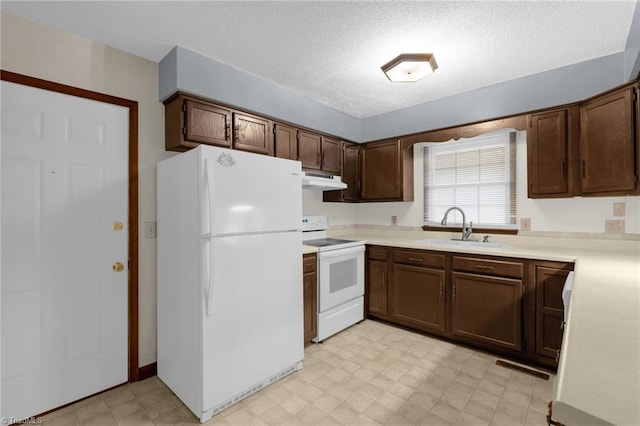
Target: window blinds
[478, 175]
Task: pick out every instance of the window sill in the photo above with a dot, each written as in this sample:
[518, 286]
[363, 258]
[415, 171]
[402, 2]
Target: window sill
[475, 230]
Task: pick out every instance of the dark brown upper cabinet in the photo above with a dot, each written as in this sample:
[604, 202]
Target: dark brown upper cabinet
[252, 134]
[317, 152]
[350, 172]
[552, 143]
[190, 122]
[331, 155]
[351, 153]
[310, 150]
[608, 144]
[387, 171]
[285, 141]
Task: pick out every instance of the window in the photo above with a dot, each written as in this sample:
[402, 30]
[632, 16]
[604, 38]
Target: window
[478, 175]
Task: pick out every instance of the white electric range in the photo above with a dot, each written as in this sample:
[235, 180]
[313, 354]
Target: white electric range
[340, 277]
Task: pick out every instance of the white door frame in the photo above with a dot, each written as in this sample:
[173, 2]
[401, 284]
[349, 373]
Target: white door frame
[134, 372]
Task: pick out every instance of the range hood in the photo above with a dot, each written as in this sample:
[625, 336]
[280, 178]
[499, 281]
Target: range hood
[322, 182]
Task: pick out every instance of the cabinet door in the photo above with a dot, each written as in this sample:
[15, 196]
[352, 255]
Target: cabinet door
[310, 295]
[331, 155]
[252, 134]
[377, 279]
[487, 310]
[310, 150]
[205, 123]
[286, 144]
[351, 171]
[381, 171]
[547, 148]
[418, 297]
[549, 310]
[607, 144]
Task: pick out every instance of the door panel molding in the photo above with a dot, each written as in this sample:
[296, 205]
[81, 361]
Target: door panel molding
[132, 245]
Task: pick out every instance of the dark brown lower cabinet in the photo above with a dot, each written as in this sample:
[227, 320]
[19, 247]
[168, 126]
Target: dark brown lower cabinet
[377, 288]
[418, 297]
[509, 306]
[549, 279]
[487, 310]
[310, 296]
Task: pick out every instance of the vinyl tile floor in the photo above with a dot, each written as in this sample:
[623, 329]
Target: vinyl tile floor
[370, 374]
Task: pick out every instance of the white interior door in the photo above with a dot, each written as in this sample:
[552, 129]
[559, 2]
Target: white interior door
[64, 189]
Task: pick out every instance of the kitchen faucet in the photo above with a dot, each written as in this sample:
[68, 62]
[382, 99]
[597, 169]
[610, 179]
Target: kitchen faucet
[466, 232]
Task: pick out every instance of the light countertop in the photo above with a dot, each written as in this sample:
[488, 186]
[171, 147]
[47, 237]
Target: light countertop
[309, 249]
[598, 380]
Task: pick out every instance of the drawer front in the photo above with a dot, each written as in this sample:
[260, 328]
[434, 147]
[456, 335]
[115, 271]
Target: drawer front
[419, 258]
[503, 268]
[376, 252]
[309, 263]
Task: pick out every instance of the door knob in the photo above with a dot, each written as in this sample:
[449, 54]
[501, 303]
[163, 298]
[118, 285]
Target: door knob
[118, 226]
[117, 267]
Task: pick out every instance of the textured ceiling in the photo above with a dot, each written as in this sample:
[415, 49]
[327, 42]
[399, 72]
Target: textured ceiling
[332, 51]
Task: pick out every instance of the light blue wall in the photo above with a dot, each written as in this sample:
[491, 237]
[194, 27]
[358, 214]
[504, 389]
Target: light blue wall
[190, 72]
[555, 87]
[632, 49]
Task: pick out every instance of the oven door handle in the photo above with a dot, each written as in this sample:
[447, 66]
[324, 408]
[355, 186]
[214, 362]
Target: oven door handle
[341, 252]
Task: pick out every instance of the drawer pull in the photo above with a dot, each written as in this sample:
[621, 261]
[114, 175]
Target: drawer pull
[484, 267]
[416, 259]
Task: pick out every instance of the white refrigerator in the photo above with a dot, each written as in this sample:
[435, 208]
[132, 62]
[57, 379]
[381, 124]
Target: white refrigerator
[230, 315]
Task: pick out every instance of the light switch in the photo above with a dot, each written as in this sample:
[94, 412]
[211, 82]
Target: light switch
[150, 230]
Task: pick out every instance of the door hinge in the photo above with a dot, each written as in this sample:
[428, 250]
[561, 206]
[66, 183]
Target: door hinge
[523, 290]
[184, 106]
[184, 130]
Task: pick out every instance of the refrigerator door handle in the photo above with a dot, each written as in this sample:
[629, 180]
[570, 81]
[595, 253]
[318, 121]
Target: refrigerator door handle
[208, 180]
[208, 289]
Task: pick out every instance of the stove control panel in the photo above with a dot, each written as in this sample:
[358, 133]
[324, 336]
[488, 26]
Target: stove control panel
[315, 223]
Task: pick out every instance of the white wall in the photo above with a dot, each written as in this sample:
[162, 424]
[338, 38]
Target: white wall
[38, 51]
[586, 215]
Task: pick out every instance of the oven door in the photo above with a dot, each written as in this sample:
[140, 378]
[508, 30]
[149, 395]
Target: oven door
[340, 276]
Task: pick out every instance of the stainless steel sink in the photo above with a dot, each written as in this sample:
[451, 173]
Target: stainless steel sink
[460, 243]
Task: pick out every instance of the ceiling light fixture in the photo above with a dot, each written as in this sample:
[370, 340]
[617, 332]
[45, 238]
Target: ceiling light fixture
[410, 67]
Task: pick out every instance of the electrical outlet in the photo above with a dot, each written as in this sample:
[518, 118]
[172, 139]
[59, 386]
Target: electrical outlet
[619, 209]
[394, 220]
[614, 226]
[150, 230]
[525, 224]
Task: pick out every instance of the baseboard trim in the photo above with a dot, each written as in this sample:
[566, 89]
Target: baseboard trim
[523, 369]
[147, 371]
